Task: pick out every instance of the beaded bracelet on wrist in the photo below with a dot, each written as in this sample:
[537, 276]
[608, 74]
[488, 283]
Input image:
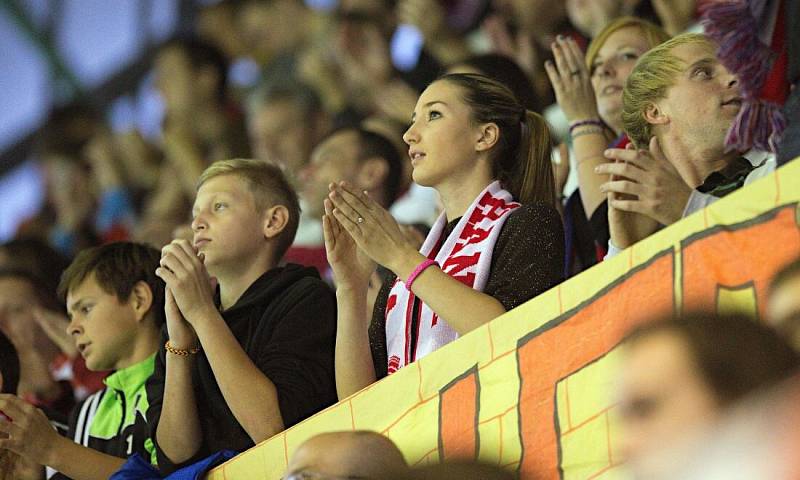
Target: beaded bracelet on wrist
[179, 351]
[596, 122]
[587, 131]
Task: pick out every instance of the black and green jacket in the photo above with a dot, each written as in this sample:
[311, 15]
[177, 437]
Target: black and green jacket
[113, 420]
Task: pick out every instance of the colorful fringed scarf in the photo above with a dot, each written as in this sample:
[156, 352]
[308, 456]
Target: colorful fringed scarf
[751, 36]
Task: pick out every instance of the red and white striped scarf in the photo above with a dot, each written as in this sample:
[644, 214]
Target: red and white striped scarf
[465, 255]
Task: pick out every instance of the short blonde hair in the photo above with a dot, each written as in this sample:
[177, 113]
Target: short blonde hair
[652, 33]
[269, 186]
[654, 73]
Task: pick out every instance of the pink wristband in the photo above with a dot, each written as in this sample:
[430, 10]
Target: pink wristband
[422, 266]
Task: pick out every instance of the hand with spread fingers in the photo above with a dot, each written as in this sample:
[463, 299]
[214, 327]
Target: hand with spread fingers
[352, 267]
[28, 433]
[371, 227]
[649, 183]
[571, 81]
[187, 279]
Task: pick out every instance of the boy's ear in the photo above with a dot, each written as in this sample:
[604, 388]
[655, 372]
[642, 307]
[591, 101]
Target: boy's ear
[141, 299]
[490, 134]
[655, 115]
[372, 173]
[275, 220]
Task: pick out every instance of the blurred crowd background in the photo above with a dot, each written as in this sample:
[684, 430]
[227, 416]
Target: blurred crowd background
[111, 109]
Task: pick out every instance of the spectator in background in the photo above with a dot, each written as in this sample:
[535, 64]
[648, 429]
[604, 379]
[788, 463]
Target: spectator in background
[677, 16]
[67, 220]
[359, 454]
[41, 265]
[12, 466]
[218, 24]
[285, 123]
[115, 304]
[201, 124]
[22, 298]
[273, 33]
[363, 32]
[678, 104]
[35, 256]
[535, 25]
[589, 91]
[367, 160]
[591, 16]
[471, 140]
[783, 304]
[680, 374]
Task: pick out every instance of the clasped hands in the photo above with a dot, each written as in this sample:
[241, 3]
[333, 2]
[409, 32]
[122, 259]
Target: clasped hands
[645, 182]
[189, 290]
[374, 233]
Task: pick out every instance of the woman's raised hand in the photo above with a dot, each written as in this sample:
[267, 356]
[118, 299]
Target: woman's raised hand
[571, 81]
[374, 231]
[351, 266]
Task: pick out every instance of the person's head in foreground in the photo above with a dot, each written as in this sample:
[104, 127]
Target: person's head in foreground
[681, 373]
[783, 305]
[610, 59]
[468, 130]
[115, 303]
[245, 217]
[362, 455]
[681, 94]
[456, 470]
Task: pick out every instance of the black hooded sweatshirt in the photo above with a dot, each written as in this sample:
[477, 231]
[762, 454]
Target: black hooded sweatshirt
[286, 323]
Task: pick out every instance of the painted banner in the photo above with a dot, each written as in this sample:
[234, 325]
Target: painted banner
[532, 391]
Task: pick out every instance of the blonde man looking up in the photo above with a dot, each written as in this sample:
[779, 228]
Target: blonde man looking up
[678, 104]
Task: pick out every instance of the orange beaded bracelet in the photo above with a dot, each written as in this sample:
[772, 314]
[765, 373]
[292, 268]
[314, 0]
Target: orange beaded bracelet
[179, 351]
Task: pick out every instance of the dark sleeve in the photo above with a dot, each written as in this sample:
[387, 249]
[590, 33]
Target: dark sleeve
[298, 356]
[599, 223]
[528, 258]
[155, 398]
[377, 330]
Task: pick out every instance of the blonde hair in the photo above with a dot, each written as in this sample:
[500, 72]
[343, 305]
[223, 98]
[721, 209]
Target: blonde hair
[521, 159]
[653, 34]
[269, 187]
[654, 73]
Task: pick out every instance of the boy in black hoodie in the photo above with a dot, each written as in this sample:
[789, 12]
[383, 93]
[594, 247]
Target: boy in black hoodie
[256, 357]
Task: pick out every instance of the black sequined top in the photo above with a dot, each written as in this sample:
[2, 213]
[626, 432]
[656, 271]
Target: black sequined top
[528, 260]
